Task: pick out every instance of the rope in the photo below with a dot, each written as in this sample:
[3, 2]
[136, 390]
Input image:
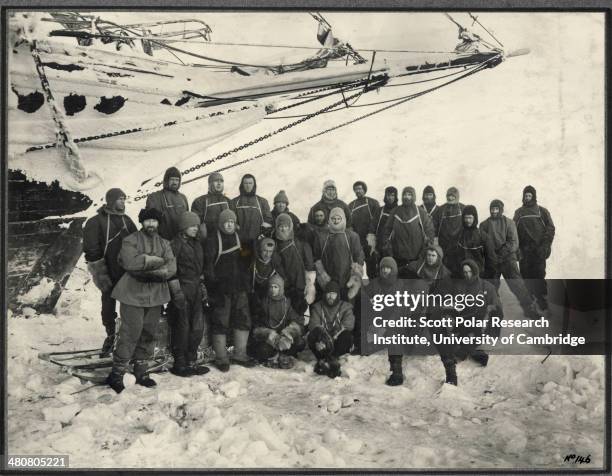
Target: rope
[475, 18]
[343, 124]
[253, 45]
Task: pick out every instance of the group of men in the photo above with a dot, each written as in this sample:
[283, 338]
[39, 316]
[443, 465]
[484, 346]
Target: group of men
[257, 272]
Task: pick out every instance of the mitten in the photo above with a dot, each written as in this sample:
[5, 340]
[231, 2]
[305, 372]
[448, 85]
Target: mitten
[371, 239]
[100, 275]
[309, 290]
[177, 294]
[322, 277]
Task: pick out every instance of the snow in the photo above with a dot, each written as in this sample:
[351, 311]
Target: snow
[490, 135]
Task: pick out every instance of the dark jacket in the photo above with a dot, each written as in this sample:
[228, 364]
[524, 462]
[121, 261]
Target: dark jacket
[381, 222]
[225, 268]
[364, 213]
[472, 244]
[142, 284]
[251, 212]
[333, 319]
[337, 252]
[535, 229]
[296, 257]
[102, 238]
[208, 208]
[502, 240]
[189, 258]
[407, 232]
[172, 205]
[277, 315]
[449, 224]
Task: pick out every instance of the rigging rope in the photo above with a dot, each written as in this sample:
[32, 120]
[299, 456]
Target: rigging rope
[480, 67]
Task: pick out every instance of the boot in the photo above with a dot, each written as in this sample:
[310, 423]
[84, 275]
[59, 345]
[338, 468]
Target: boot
[240, 356]
[221, 359]
[396, 377]
[107, 346]
[480, 356]
[334, 368]
[115, 380]
[451, 373]
[530, 310]
[285, 361]
[179, 368]
[140, 372]
[321, 367]
[194, 369]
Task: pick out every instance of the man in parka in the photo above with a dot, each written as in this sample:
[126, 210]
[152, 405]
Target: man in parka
[407, 233]
[186, 313]
[277, 328]
[364, 213]
[102, 238]
[449, 221]
[429, 204]
[209, 206]
[339, 257]
[472, 244]
[502, 241]
[330, 330]
[227, 278]
[252, 214]
[170, 202]
[142, 290]
[281, 205]
[265, 264]
[330, 200]
[536, 232]
[310, 231]
[430, 268]
[390, 203]
[297, 265]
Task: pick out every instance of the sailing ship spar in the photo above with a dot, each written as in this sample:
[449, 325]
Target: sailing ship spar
[80, 115]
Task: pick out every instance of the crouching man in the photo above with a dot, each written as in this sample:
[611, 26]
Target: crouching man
[148, 261]
[330, 330]
[186, 313]
[277, 332]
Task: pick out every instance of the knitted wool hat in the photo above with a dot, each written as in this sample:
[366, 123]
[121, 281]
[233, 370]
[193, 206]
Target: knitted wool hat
[188, 219]
[281, 197]
[225, 216]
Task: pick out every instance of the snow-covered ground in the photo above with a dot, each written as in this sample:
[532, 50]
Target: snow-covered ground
[536, 120]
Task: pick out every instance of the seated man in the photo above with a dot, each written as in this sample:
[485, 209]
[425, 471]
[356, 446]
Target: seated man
[277, 328]
[330, 330]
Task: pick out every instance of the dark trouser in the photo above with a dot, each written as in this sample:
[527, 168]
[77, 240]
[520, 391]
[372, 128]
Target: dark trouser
[109, 313]
[136, 330]
[451, 353]
[231, 312]
[333, 347]
[533, 270]
[260, 349]
[510, 271]
[187, 325]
